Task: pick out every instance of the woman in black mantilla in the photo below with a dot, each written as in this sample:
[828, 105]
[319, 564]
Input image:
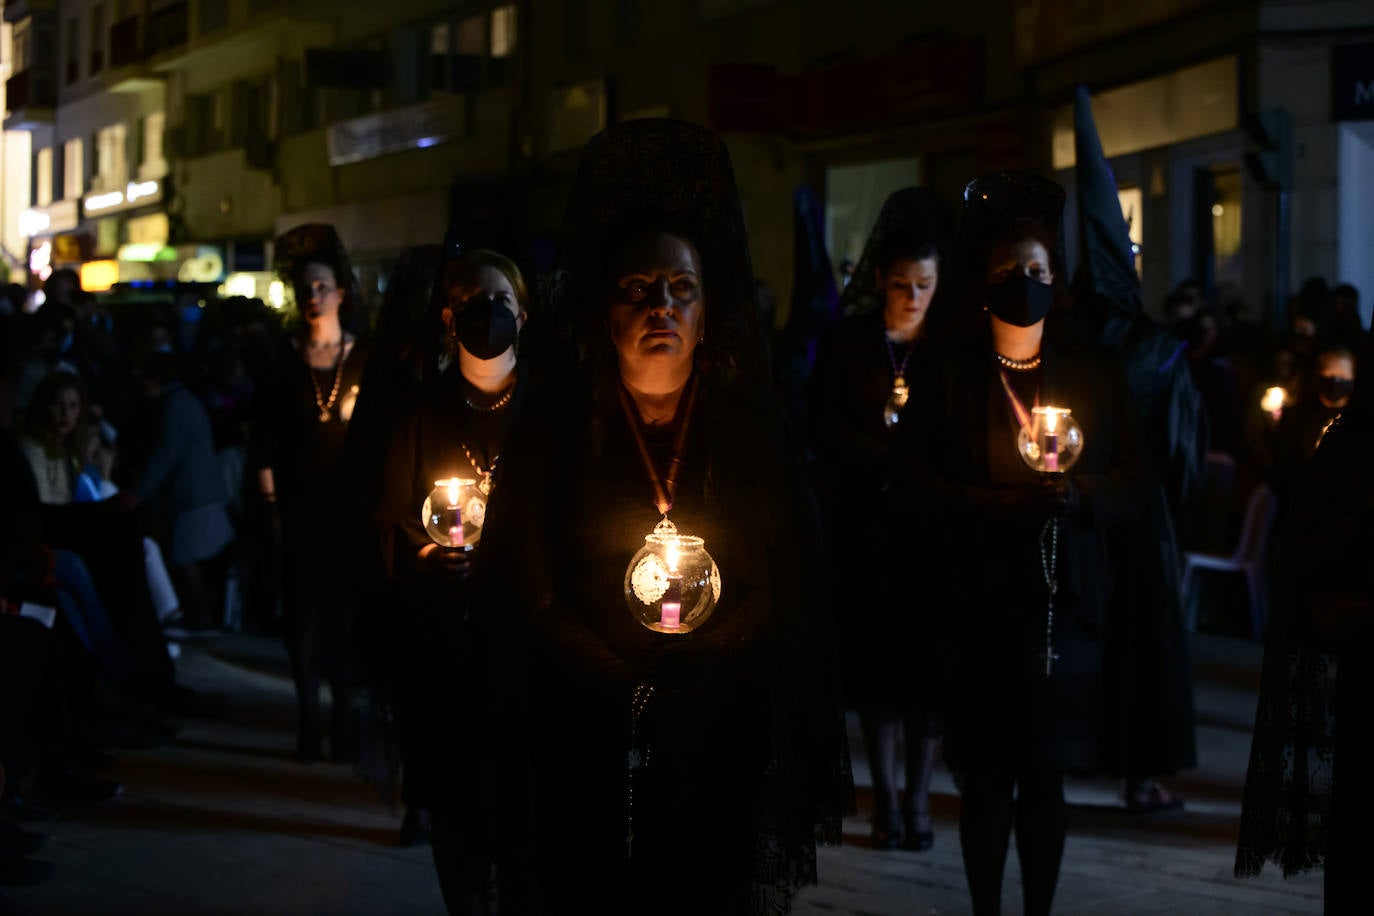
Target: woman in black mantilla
[674, 773]
[858, 390]
[298, 450]
[442, 714]
[1309, 797]
[1022, 689]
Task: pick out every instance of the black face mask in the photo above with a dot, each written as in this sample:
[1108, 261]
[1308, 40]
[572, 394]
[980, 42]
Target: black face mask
[1019, 300]
[1334, 389]
[486, 328]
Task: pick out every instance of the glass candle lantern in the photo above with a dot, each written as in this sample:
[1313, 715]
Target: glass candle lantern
[672, 583]
[1051, 442]
[454, 513]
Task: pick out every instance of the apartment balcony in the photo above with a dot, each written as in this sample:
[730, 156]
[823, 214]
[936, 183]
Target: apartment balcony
[31, 97]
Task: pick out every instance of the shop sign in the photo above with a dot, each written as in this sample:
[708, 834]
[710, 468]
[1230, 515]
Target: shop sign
[134, 194]
[61, 216]
[1352, 82]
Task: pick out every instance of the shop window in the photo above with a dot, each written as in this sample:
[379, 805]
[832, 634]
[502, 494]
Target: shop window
[73, 170]
[854, 195]
[1226, 226]
[97, 38]
[43, 177]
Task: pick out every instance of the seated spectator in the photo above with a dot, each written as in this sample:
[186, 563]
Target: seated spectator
[183, 469]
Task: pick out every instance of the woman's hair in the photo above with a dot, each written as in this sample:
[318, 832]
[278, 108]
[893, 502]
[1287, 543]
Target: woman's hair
[318, 243]
[469, 263]
[38, 419]
[898, 247]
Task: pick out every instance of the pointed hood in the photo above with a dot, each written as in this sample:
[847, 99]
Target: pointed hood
[1106, 284]
[814, 297]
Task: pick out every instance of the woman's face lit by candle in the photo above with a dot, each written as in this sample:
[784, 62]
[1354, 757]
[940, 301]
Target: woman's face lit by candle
[317, 292]
[908, 285]
[1028, 256]
[1337, 367]
[657, 310]
[65, 411]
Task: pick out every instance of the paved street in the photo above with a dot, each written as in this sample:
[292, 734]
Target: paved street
[222, 821]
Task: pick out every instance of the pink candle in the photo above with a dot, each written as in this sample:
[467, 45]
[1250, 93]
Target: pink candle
[455, 531]
[1051, 452]
[670, 609]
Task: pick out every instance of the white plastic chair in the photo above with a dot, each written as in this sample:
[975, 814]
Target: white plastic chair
[1249, 558]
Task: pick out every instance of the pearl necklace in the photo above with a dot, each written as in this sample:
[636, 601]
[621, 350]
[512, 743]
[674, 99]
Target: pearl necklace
[1021, 365]
[492, 408]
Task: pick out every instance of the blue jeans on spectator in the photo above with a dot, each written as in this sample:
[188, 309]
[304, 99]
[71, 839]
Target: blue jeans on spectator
[83, 609]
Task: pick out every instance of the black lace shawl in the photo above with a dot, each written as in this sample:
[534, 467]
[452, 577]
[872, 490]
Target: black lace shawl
[671, 176]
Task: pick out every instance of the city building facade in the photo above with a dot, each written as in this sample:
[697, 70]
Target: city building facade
[176, 139]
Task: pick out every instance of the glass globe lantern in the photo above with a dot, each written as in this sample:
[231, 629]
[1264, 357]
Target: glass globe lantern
[1051, 442]
[892, 410]
[672, 583]
[454, 513]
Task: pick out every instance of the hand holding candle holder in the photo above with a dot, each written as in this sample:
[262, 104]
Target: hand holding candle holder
[672, 583]
[1273, 402]
[454, 512]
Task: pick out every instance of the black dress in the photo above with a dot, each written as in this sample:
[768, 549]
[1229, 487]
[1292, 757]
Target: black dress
[736, 741]
[880, 616]
[960, 451]
[317, 497]
[434, 665]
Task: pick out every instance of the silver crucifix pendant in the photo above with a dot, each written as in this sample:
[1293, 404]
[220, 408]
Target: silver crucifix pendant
[1050, 657]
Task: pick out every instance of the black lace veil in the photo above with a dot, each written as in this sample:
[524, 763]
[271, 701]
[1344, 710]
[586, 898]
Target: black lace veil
[912, 222]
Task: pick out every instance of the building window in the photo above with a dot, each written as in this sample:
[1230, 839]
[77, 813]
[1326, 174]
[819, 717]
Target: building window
[504, 36]
[111, 158]
[153, 164]
[205, 132]
[97, 38]
[503, 31]
[73, 61]
[73, 170]
[42, 172]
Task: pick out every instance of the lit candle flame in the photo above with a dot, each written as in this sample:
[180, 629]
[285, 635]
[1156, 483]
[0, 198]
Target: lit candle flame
[1051, 419]
[671, 555]
[1274, 399]
[454, 487]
